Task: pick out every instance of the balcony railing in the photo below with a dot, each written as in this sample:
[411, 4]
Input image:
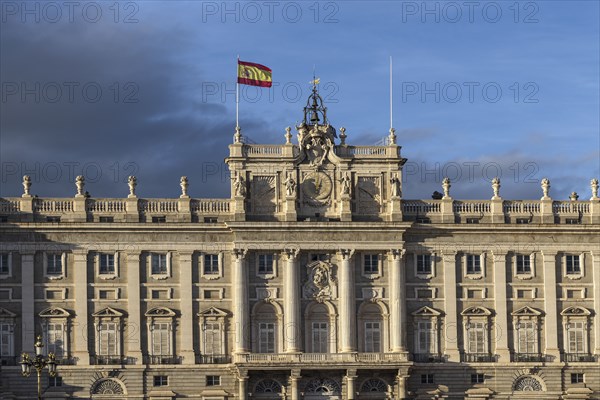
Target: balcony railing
[528, 357]
[579, 357]
[112, 360]
[477, 357]
[213, 359]
[271, 358]
[162, 360]
[428, 358]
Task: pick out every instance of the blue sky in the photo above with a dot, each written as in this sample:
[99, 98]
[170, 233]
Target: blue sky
[528, 75]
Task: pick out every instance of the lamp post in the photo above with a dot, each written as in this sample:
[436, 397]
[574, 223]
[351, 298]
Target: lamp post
[39, 362]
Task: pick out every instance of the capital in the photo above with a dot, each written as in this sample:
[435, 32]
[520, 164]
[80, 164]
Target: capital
[240, 254]
[398, 254]
[346, 253]
[291, 253]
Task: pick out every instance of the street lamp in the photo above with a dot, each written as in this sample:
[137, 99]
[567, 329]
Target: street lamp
[39, 362]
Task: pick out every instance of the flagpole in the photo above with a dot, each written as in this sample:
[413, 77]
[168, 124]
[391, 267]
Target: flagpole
[237, 95]
[391, 99]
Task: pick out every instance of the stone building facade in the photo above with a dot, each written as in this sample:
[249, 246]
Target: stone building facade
[316, 280]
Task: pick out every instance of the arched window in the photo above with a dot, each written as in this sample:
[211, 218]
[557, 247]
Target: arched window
[374, 385]
[268, 386]
[371, 328]
[320, 328]
[266, 328]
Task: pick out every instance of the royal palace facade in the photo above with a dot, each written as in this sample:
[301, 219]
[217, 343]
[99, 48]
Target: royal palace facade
[315, 280]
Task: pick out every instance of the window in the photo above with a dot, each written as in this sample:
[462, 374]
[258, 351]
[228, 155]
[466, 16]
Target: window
[160, 337]
[53, 294]
[474, 293]
[523, 264]
[426, 378]
[213, 342]
[477, 378]
[210, 220]
[160, 294]
[476, 338]
[319, 257]
[53, 219]
[372, 337]
[572, 221]
[107, 339]
[211, 264]
[425, 337]
[522, 221]
[159, 219]
[320, 337]
[5, 294]
[54, 264]
[371, 264]
[107, 264]
[424, 293]
[473, 264]
[161, 380]
[527, 337]
[423, 264]
[5, 259]
[6, 339]
[54, 381]
[576, 337]
[472, 220]
[423, 220]
[211, 294]
[573, 267]
[110, 294]
[265, 264]
[266, 337]
[575, 293]
[577, 378]
[55, 342]
[524, 294]
[159, 264]
[213, 380]
[107, 219]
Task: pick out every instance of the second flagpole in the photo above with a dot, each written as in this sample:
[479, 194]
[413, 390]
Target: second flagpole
[237, 95]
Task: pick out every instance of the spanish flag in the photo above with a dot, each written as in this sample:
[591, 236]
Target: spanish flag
[254, 74]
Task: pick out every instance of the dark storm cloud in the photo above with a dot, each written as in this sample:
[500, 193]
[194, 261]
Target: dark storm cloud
[127, 104]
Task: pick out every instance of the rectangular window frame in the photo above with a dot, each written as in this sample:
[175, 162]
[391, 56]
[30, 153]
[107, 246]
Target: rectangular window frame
[424, 265]
[373, 337]
[104, 268]
[213, 269]
[266, 265]
[6, 265]
[574, 265]
[474, 265]
[55, 265]
[157, 268]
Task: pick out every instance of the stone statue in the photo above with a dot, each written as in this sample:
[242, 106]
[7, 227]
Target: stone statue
[239, 186]
[496, 188]
[290, 186]
[132, 182]
[395, 181]
[288, 135]
[343, 136]
[80, 183]
[183, 182]
[345, 185]
[594, 185]
[446, 186]
[574, 196]
[545, 187]
[392, 136]
[26, 185]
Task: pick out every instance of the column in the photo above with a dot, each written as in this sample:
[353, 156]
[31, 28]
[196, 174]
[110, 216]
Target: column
[291, 303]
[401, 379]
[596, 294]
[397, 302]
[450, 333]
[240, 301]
[27, 302]
[500, 304]
[350, 380]
[243, 387]
[294, 380]
[551, 325]
[134, 325]
[81, 326]
[347, 304]
[186, 285]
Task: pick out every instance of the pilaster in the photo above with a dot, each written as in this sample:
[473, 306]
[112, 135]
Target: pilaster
[347, 304]
[450, 333]
[500, 303]
[187, 308]
[294, 383]
[350, 384]
[397, 301]
[240, 301]
[27, 301]
[134, 326]
[551, 324]
[81, 349]
[345, 208]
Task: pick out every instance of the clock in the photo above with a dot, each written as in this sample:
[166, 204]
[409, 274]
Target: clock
[316, 187]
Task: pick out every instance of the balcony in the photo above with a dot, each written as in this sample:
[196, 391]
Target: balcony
[213, 359]
[162, 360]
[478, 357]
[529, 357]
[428, 358]
[578, 357]
[334, 358]
[112, 360]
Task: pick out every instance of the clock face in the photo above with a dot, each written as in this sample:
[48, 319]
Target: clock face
[317, 186]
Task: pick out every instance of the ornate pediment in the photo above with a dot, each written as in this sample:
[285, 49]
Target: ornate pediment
[213, 312]
[4, 313]
[108, 312]
[54, 312]
[476, 311]
[160, 312]
[576, 311]
[426, 312]
[527, 311]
